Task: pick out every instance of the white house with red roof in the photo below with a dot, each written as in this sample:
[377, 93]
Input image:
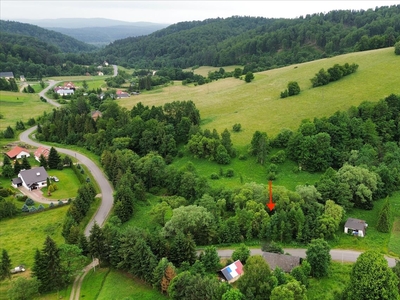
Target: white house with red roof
[69, 86]
[18, 152]
[41, 151]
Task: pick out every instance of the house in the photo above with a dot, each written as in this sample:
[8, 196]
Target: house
[41, 151]
[6, 75]
[356, 226]
[69, 86]
[121, 94]
[65, 92]
[99, 73]
[18, 152]
[96, 114]
[22, 78]
[105, 63]
[233, 271]
[31, 179]
[283, 261]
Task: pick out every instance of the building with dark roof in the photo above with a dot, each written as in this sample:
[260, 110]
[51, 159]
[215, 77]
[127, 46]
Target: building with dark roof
[6, 75]
[32, 179]
[356, 226]
[283, 261]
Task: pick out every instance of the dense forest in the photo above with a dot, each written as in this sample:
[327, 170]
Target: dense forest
[264, 43]
[255, 43]
[63, 42]
[357, 149]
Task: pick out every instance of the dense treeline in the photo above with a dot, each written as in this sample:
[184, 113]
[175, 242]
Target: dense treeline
[61, 41]
[258, 42]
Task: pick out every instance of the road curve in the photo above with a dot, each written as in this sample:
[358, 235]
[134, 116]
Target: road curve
[44, 91]
[336, 254]
[105, 187]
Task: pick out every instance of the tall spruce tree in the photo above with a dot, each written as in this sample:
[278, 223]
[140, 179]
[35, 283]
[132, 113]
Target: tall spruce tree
[43, 161]
[17, 167]
[97, 243]
[183, 249]
[48, 268]
[54, 158]
[25, 164]
[5, 266]
[384, 223]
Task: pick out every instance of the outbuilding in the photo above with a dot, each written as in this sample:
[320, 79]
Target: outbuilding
[356, 227]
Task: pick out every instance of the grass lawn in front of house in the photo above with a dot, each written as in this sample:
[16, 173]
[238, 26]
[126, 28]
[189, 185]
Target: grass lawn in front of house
[67, 186]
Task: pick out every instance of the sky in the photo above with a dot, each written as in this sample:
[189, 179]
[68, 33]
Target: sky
[170, 12]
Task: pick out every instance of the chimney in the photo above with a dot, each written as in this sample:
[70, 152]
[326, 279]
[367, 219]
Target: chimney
[37, 174]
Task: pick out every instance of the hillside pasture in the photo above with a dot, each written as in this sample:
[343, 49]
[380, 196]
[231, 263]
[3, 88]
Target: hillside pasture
[20, 107]
[203, 70]
[258, 106]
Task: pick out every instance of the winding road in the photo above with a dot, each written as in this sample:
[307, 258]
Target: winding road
[107, 203]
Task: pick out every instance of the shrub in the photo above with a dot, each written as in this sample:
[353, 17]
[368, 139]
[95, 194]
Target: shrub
[29, 202]
[51, 205]
[40, 207]
[279, 157]
[229, 173]
[32, 209]
[272, 168]
[214, 176]
[25, 208]
[60, 203]
[397, 48]
[3, 193]
[271, 176]
[237, 127]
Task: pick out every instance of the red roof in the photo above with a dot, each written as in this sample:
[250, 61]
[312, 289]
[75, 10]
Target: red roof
[42, 151]
[15, 151]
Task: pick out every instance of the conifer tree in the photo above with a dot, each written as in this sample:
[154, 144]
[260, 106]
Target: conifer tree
[183, 249]
[43, 161]
[97, 243]
[25, 164]
[5, 266]
[54, 158]
[384, 223]
[17, 167]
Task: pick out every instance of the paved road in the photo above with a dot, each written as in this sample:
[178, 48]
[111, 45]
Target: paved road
[336, 254]
[105, 187]
[115, 70]
[43, 93]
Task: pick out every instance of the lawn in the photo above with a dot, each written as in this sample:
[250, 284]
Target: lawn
[119, 285]
[329, 287]
[257, 105]
[95, 83]
[203, 70]
[20, 107]
[111, 284]
[67, 186]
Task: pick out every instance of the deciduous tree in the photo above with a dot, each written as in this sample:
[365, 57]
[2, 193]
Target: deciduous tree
[319, 257]
[371, 278]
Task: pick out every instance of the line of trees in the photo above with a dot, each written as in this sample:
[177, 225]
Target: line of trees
[333, 74]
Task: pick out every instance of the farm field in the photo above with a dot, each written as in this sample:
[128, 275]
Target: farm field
[20, 107]
[257, 105]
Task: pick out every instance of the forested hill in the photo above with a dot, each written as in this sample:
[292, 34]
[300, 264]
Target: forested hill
[266, 43]
[63, 42]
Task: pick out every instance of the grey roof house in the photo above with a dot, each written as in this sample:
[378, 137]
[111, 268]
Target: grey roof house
[31, 179]
[356, 226]
[6, 75]
[283, 261]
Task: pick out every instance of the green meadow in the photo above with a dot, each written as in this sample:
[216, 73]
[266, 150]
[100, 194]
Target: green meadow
[257, 105]
[20, 107]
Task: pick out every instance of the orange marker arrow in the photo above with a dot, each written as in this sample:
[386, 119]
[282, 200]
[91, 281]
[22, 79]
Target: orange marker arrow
[271, 205]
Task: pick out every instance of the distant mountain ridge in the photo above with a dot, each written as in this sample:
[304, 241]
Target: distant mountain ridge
[97, 31]
[63, 42]
[84, 22]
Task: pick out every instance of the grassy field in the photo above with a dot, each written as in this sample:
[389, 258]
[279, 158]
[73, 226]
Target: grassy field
[257, 105]
[20, 107]
[329, 287]
[67, 186]
[96, 83]
[110, 284]
[203, 70]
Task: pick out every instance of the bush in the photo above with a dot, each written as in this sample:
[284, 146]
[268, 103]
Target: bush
[237, 127]
[3, 193]
[271, 176]
[60, 203]
[229, 173]
[279, 157]
[51, 205]
[40, 207]
[242, 157]
[214, 176]
[25, 208]
[29, 202]
[32, 209]
[397, 48]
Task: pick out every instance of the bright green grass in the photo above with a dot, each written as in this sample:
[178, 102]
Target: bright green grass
[334, 284]
[20, 107]
[203, 70]
[257, 105]
[141, 213]
[394, 240]
[67, 186]
[93, 283]
[21, 236]
[97, 82]
[119, 285]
